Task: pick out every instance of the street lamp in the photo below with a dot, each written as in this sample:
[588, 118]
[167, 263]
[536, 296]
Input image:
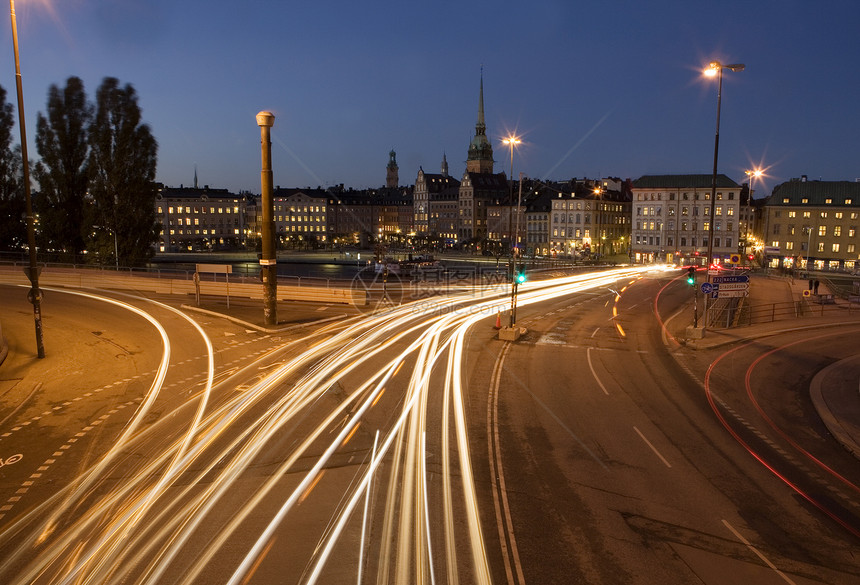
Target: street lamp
[752, 175]
[512, 141]
[598, 199]
[35, 293]
[715, 69]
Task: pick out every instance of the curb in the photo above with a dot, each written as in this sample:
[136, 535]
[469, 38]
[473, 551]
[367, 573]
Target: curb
[696, 343]
[832, 422]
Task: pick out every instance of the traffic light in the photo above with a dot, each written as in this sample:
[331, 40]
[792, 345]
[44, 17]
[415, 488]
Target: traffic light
[520, 275]
[691, 276]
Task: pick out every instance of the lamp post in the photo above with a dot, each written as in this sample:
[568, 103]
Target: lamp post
[752, 175]
[33, 271]
[716, 69]
[512, 141]
[598, 199]
[268, 259]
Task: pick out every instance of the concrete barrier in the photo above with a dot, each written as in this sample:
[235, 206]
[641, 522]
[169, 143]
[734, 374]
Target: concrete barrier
[109, 280]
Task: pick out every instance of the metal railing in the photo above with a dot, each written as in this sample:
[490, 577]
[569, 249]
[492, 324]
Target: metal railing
[741, 314]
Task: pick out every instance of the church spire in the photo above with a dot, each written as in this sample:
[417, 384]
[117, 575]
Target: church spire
[481, 103]
[444, 165]
[480, 159]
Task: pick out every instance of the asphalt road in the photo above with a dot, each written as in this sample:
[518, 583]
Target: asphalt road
[410, 445]
[618, 467]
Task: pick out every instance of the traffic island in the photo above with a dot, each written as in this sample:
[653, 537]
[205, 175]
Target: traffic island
[512, 333]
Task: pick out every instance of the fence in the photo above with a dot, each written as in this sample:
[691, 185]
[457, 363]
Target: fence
[245, 287]
[740, 313]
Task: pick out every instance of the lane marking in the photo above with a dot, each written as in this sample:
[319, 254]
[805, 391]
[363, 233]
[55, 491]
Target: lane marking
[758, 554]
[653, 448]
[594, 373]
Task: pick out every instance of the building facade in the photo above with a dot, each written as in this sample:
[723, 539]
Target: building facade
[812, 225]
[200, 219]
[435, 204]
[671, 218]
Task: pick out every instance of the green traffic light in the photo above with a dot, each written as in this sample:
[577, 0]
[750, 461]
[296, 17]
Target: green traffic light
[691, 280]
[521, 278]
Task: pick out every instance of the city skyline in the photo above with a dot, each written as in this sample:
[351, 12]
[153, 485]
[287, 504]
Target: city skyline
[609, 90]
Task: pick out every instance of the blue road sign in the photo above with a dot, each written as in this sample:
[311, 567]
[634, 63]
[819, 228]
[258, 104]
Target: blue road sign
[735, 278]
[707, 287]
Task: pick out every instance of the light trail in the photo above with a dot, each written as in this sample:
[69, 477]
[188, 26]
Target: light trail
[138, 532]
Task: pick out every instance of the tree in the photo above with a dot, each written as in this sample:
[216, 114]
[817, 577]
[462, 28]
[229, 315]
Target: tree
[13, 226]
[122, 161]
[61, 139]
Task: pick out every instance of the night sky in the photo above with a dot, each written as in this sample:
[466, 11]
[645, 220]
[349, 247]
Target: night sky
[611, 88]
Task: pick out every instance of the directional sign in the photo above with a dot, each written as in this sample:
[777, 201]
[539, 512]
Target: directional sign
[723, 294]
[724, 286]
[734, 278]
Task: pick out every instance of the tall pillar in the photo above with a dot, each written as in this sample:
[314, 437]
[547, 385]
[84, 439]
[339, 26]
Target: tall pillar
[268, 259]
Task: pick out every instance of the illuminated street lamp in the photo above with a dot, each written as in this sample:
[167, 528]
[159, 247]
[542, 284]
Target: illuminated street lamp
[715, 69]
[33, 271]
[752, 175]
[512, 141]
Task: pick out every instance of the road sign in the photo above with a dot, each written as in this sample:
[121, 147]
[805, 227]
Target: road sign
[734, 259]
[724, 286]
[725, 294]
[707, 287]
[733, 278]
[217, 268]
[771, 250]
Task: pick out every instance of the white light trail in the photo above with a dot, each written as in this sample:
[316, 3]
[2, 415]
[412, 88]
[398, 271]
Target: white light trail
[138, 531]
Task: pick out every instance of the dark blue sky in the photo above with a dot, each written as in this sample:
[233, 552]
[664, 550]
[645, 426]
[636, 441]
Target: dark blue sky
[610, 88]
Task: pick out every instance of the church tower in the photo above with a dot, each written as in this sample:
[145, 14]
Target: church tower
[392, 177]
[480, 159]
[444, 165]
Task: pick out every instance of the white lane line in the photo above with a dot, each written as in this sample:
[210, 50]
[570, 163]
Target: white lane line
[594, 373]
[653, 448]
[740, 537]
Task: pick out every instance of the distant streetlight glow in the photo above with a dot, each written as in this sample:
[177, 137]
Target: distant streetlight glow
[512, 140]
[752, 174]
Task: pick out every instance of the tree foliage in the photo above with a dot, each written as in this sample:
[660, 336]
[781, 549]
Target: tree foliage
[61, 139]
[13, 226]
[122, 162]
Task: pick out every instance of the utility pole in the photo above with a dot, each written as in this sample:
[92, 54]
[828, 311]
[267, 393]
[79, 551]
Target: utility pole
[35, 295]
[268, 259]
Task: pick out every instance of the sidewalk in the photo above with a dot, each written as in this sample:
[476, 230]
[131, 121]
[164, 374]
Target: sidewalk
[834, 390]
